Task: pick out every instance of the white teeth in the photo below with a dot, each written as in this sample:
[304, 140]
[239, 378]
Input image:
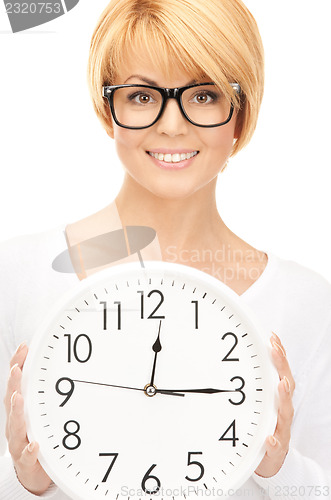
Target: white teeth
[175, 158]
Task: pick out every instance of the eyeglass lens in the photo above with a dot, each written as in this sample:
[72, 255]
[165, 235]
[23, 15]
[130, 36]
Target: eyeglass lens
[139, 107]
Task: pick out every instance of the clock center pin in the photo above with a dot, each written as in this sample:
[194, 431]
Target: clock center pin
[150, 390]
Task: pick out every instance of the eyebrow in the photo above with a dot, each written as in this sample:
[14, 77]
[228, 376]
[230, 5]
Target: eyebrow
[151, 82]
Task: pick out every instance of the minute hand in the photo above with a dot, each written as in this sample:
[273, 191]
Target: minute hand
[203, 391]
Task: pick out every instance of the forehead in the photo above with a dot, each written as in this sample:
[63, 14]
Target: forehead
[165, 70]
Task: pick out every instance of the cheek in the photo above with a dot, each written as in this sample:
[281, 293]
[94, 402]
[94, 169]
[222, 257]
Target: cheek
[128, 142]
[220, 139]
[126, 136]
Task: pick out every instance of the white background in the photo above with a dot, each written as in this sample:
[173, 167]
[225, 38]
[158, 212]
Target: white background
[58, 165]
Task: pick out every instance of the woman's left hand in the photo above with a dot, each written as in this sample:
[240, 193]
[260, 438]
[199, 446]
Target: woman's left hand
[278, 444]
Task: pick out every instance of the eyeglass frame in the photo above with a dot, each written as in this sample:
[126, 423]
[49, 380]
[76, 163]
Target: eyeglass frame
[173, 93]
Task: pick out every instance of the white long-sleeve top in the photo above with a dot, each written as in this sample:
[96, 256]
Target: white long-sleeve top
[291, 300]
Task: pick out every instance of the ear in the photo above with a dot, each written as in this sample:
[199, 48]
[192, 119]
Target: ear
[110, 132]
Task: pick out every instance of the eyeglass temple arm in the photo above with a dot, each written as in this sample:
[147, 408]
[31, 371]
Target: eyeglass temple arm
[236, 87]
[106, 91]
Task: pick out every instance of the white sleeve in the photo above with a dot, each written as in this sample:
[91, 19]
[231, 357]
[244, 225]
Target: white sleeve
[299, 477]
[10, 487]
[306, 471]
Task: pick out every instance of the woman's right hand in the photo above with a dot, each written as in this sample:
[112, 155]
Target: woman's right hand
[24, 454]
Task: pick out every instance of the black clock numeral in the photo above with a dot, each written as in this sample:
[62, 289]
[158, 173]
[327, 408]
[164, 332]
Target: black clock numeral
[104, 314]
[114, 455]
[68, 393]
[239, 390]
[191, 462]
[233, 438]
[150, 476]
[79, 339]
[226, 358]
[196, 313]
[73, 433]
[119, 315]
[142, 299]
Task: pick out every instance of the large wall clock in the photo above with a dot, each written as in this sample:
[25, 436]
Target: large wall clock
[154, 381]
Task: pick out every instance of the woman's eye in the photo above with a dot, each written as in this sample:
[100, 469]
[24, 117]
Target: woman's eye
[140, 98]
[204, 98]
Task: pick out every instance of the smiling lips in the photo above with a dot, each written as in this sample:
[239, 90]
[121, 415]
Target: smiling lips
[175, 157]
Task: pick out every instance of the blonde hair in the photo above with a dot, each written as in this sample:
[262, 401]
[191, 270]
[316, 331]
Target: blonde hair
[217, 38]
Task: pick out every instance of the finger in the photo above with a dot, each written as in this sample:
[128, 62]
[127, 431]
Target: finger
[30, 472]
[273, 447]
[281, 363]
[17, 438]
[273, 458]
[277, 339]
[14, 384]
[285, 414]
[275, 452]
[20, 355]
[29, 455]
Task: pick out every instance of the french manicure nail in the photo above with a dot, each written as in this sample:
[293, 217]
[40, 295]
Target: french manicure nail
[287, 384]
[13, 399]
[30, 447]
[272, 440]
[13, 368]
[20, 347]
[279, 349]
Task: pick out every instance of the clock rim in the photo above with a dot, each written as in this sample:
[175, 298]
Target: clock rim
[175, 268]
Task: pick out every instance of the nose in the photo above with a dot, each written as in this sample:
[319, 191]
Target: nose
[172, 122]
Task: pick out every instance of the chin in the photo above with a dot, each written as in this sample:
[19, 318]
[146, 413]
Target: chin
[174, 191]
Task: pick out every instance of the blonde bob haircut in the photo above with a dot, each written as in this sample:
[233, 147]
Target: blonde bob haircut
[218, 39]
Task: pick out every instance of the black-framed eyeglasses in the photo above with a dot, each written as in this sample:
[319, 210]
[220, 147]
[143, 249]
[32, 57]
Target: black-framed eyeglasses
[140, 106]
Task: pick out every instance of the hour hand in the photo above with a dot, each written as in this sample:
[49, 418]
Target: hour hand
[199, 391]
[156, 348]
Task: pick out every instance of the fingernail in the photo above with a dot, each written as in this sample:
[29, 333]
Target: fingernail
[279, 349]
[30, 447]
[20, 347]
[13, 399]
[287, 384]
[13, 368]
[272, 440]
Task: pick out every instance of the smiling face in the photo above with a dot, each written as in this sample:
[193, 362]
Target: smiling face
[206, 150]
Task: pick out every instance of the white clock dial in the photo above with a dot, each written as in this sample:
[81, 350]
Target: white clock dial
[150, 381]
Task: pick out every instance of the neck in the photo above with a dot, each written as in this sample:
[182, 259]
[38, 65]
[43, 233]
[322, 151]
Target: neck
[192, 222]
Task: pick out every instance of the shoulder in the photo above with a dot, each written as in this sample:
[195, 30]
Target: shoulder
[292, 290]
[294, 301]
[22, 241]
[301, 307]
[27, 255]
[27, 250]
[28, 282]
[298, 283]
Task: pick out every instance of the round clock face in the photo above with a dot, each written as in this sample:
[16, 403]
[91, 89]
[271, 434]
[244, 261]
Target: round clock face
[154, 381]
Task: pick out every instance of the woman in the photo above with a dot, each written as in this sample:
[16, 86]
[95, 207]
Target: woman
[172, 156]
